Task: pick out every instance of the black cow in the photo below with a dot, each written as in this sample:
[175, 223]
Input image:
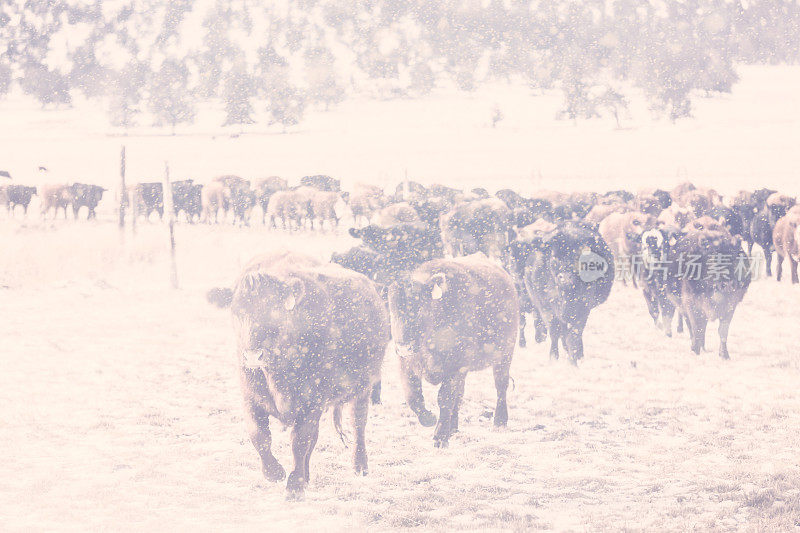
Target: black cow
[19, 195]
[729, 218]
[567, 274]
[321, 182]
[404, 246]
[86, 195]
[186, 197]
[148, 197]
[659, 285]
[477, 226]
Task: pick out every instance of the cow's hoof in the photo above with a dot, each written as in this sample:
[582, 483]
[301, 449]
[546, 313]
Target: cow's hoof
[522, 343]
[540, 337]
[440, 443]
[426, 418]
[360, 464]
[295, 486]
[273, 471]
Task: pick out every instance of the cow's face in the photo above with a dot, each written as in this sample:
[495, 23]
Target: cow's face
[410, 303]
[269, 319]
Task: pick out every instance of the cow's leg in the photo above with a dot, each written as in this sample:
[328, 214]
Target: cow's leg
[304, 436]
[447, 394]
[501, 372]
[258, 428]
[793, 267]
[360, 411]
[459, 394]
[652, 304]
[375, 395]
[540, 330]
[697, 326]
[75, 210]
[768, 259]
[555, 332]
[574, 337]
[667, 312]
[522, 341]
[412, 387]
[679, 327]
[724, 324]
[779, 266]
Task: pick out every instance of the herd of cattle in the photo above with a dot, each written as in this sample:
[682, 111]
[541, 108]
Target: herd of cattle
[450, 276]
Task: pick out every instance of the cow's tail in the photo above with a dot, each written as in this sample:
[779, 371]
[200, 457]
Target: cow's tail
[337, 424]
[220, 296]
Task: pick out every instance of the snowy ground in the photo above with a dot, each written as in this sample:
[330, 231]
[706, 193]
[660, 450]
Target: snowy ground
[121, 410]
[120, 407]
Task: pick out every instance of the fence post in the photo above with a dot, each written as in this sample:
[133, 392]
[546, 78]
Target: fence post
[170, 212]
[123, 192]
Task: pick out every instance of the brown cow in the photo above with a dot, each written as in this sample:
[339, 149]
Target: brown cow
[55, 197]
[397, 214]
[601, 211]
[623, 234]
[323, 208]
[786, 245]
[214, 198]
[309, 336]
[451, 317]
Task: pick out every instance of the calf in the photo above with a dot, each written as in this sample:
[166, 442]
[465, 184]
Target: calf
[55, 197]
[451, 317]
[309, 336]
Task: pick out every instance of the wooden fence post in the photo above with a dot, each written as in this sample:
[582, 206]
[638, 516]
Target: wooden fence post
[123, 192]
[170, 212]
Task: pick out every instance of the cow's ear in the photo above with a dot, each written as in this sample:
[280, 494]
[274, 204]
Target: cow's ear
[296, 292]
[438, 285]
[355, 232]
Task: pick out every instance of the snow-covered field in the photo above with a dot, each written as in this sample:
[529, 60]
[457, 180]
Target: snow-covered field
[119, 401]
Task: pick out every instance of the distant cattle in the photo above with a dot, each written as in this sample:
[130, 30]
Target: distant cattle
[265, 188]
[451, 317]
[214, 198]
[477, 226]
[18, 195]
[293, 207]
[241, 199]
[712, 274]
[323, 209]
[364, 202]
[785, 242]
[147, 198]
[230, 181]
[322, 183]
[309, 336]
[567, 274]
[55, 197]
[601, 211]
[187, 197]
[85, 195]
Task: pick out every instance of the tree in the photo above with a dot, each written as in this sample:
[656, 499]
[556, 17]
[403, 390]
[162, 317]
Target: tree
[286, 107]
[126, 95]
[239, 88]
[169, 98]
[321, 76]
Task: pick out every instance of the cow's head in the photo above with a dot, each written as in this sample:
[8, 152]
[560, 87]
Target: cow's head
[411, 301]
[272, 315]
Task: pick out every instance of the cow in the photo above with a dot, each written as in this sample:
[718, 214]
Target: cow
[4, 199]
[762, 226]
[600, 211]
[323, 209]
[567, 274]
[477, 226]
[658, 287]
[213, 198]
[450, 317]
[265, 188]
[729, 218]
[230, 181]
[365, 201]
[786, 245]
[623, 234]
[19, 195]
[309, 336]
[397, 214]
[321, 183]
[242, 200]
[512, 199]
[525, 237]
[55, 197]
[292, 206]
[675, 216]
[530, 210]
[148, 197]
[86, 195]
[187, 196]
[711, 274]
[404, 247]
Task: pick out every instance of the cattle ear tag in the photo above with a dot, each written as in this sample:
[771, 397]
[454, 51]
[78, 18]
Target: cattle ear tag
[436, 293]
[290, 302]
